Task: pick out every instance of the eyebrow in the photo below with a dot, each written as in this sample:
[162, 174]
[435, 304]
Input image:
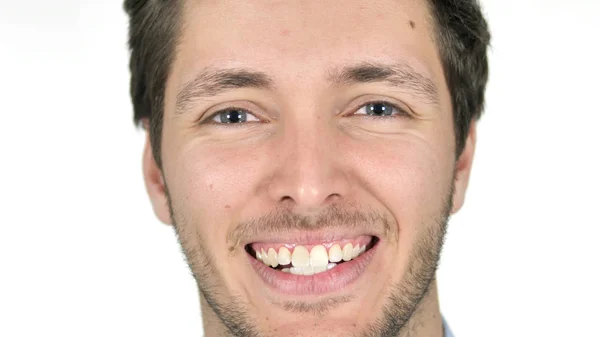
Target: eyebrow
[211, 82]
[400, 75]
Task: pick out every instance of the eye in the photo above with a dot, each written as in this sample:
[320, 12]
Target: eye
[233, 116]
[379, 109]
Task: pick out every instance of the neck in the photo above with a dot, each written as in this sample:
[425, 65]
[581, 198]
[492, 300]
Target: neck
[426, 321]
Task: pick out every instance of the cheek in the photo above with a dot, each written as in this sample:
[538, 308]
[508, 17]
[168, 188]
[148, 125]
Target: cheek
[209, 185]
[410, 177]
[214, 179]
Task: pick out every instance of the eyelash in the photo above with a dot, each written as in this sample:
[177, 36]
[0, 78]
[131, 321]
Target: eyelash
[400, 112]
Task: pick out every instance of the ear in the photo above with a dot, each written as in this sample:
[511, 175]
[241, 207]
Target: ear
[155, 185]
[463, 169]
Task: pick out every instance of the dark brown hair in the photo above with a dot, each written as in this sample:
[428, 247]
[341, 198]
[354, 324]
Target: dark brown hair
[462, 36]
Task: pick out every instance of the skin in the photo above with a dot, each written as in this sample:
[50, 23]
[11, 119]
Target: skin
[310, 153]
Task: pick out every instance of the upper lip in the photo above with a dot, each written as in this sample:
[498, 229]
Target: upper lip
[307, 237]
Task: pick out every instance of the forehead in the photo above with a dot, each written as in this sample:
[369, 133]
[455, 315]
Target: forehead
[298, 41]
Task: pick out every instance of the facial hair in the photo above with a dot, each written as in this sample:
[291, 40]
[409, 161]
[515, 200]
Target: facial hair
[399, 307]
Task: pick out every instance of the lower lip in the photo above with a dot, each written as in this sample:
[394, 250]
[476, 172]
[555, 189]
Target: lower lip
[322, 283]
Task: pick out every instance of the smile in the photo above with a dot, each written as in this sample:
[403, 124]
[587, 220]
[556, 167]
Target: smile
[317, 268]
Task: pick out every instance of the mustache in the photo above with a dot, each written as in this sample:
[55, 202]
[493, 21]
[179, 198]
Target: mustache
[284, 220]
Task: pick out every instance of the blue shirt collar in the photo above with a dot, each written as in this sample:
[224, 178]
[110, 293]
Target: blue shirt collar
[447, 332]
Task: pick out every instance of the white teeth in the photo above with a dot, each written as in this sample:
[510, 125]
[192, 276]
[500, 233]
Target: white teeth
[272, 256]
[335, 253]
[300, 257]
[296, 270]
[318, 257]
[284, 257]
[265, 258]
[355, 251]
[307, 271]
[285, 270]
[347, 251]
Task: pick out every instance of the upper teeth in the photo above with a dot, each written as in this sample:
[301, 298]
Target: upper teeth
[308, 263]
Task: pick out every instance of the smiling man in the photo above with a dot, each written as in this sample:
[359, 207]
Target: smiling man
[309, 154]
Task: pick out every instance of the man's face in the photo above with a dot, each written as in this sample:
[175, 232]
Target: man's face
[318, 135]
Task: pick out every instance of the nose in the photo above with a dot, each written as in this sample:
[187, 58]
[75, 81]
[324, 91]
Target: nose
[309, 175]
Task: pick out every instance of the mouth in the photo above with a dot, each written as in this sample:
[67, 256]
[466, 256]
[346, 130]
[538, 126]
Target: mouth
[311, 267]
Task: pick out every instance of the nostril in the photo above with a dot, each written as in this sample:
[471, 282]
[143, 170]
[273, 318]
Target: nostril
[332, 198]
[287, 199]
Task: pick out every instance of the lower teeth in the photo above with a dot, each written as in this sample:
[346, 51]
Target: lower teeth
[310, 270]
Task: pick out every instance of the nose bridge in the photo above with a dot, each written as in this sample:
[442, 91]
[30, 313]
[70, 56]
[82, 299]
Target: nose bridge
[309, 175]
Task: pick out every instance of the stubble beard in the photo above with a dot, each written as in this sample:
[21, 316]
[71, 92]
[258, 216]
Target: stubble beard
[404, 299]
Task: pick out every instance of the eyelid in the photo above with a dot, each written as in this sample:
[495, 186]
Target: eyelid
[207, 117]
[402, 109]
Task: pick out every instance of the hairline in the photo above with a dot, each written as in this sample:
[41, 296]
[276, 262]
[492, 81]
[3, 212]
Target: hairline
[432, 21]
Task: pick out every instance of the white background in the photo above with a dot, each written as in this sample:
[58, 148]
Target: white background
[81, 253]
